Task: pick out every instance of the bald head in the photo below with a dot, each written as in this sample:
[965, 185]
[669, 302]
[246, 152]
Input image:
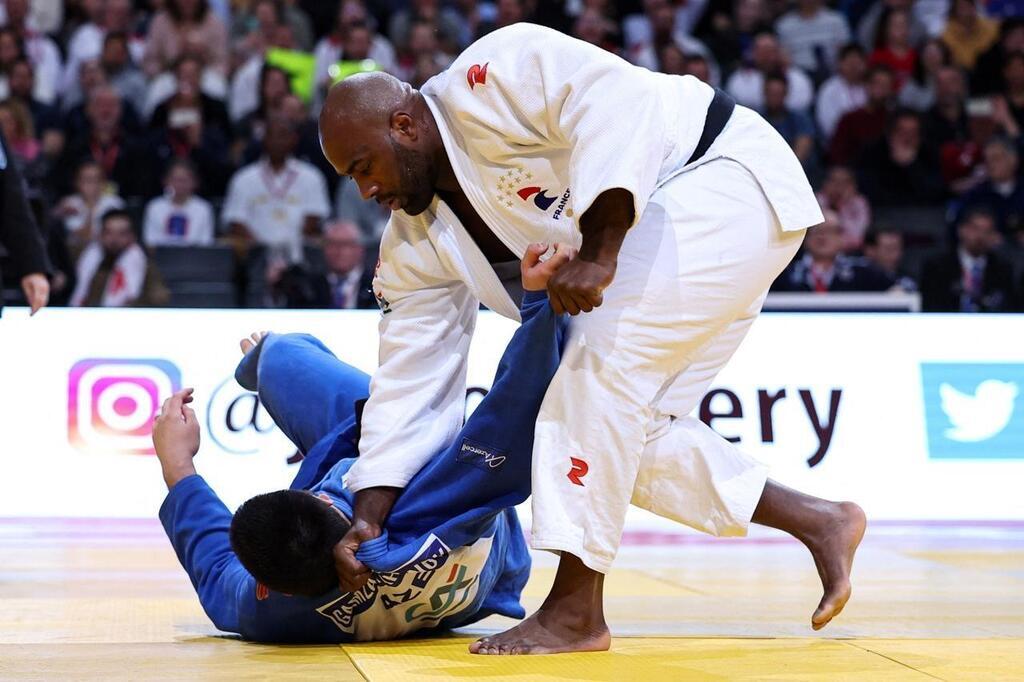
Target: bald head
[367, 97]
[379, 131]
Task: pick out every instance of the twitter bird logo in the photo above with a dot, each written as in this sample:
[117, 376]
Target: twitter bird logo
[980, 416]
[971, 410]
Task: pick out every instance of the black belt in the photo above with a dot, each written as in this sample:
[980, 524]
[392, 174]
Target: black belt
[718, 115]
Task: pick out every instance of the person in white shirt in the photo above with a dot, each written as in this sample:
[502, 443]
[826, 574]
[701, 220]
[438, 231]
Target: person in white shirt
[746, 84]
[179, 217]
[83, 211]
[114, 271]
[813, 34]
[278, 199]
[683, 207]
[842, 93]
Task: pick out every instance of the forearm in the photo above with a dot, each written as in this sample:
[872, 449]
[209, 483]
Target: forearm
[175, 471]
[371, 508]
[604, 226]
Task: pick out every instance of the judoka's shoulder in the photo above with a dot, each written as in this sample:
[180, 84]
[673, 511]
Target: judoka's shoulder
[508, 42]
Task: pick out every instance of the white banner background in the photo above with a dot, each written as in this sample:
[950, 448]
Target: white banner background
[878, 454]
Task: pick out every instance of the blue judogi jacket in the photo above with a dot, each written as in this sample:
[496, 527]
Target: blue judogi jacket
[452, 551]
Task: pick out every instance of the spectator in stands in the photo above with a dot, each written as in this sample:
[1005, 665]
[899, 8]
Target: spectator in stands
[918, 92]
[968, 34]
[178, 217]
[39, 49]
[893, 47]
[972, 277]
[18, 129]
[367, 214]
[823, 267]
[352, 39]
[444, 20]
[900, 170]
[842, 93]
[81, 212]
[21, 83]
[346, 283]
[298, 21]
[862, 127]
[663, 33]
[114, 272]
[947, 120]
[795, 127]
[252, 31]
[186, 26]
[24, 147]
[274, 86]
[307, 149]
[250, 82]
[277, 200]
[883, 248]
[1013, 89]
[11, 51]
[188, 96]
[124, 158]
[698, 67]
[1002, 191]
[747, 83]
[987, 76]
[121, 71]
[730, 33]
[422, 57]
[593, 26]
[962, 159]
[192, 125]
[867, 29]
[109, 16]
[839, 194]
[672, 60]
[812, 35]
[508, 12]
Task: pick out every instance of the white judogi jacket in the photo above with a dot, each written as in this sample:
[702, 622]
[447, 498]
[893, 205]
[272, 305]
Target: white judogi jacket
[536, 125]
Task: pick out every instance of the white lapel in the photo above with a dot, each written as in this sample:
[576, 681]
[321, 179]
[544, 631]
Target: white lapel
[464, 257]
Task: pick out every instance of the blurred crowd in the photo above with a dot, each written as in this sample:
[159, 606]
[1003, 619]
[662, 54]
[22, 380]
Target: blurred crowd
[151, 132]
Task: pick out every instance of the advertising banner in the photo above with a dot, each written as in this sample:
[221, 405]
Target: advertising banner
[916, 417]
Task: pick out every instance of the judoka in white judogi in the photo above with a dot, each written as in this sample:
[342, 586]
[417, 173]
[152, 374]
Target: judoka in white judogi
[536, 126]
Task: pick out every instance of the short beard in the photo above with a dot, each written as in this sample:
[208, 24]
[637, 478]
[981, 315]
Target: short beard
[416, 175]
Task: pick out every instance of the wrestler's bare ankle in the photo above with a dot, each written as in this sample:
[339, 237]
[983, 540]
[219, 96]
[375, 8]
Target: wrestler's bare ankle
[554, 629]
[570, 620]
[833, 543]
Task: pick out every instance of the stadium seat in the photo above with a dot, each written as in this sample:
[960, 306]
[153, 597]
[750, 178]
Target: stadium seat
[198, 276]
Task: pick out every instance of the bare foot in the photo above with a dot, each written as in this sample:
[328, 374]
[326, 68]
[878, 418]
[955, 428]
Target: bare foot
[833, 548]
[552, 630]
[251, 341]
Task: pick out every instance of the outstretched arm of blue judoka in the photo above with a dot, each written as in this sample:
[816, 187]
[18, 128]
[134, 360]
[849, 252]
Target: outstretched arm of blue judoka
[197, 524]
[488, 466]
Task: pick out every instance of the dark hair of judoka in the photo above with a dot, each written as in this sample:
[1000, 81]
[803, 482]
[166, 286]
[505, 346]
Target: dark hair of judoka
[285, 539]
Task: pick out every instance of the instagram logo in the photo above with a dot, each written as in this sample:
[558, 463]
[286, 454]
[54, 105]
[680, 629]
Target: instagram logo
[111, 403]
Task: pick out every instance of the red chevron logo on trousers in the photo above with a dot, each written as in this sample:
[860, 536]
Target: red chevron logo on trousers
[578, 471]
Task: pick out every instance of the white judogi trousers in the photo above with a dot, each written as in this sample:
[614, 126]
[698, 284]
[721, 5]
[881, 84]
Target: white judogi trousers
[615, 426]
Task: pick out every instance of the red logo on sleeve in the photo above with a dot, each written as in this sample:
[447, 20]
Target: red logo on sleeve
[578, 471]
[477, 75]
[261, 592]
